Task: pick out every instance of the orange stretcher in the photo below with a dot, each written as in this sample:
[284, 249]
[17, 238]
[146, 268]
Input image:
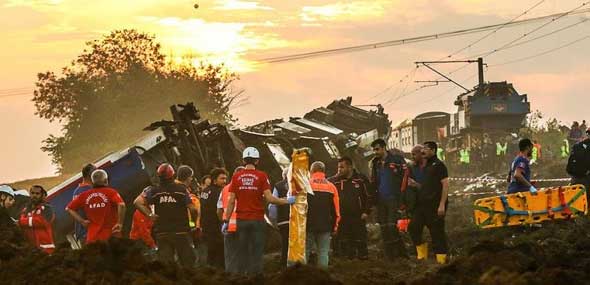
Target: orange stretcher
[556, 203]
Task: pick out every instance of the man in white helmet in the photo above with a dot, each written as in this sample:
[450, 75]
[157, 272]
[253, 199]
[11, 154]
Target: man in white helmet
[6, 201]
[249, 189]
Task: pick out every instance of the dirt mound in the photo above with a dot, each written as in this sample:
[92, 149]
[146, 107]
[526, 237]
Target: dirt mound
[554, 254]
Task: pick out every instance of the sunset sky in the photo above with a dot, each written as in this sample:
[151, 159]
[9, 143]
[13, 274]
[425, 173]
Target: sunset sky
[41, 35]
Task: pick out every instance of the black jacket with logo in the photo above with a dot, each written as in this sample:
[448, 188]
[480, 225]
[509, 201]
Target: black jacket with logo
[353, 195]
[170, 202]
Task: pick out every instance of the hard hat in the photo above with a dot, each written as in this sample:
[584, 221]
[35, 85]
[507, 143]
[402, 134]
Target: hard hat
[6, 189]
[251, 152]
[166, 171]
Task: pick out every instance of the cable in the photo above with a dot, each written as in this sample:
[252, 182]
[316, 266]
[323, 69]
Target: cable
[494, 31]
[410, 40]
[540, 37]
[534, 30]
[542, 53]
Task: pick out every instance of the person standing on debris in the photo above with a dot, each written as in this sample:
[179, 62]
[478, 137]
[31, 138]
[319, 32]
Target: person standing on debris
[578, 164]
[519, 175]
[431, 206]
[323, 214]
[575, 133]
[281, 214]
[501, 150]
[536, 152]
[230, 239]
[416, 178]
[36, 220]
[141, 225]
[103, 207]
[185, 177]
[6, 202]
[249, 188]
[85, 185]
[389, 174]
[565, 149]
[209, 219]
[351, 239]
[171, 230]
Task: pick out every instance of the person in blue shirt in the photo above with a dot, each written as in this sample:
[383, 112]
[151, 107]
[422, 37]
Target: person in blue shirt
[85, 185]
[519, 177]
[388, 174]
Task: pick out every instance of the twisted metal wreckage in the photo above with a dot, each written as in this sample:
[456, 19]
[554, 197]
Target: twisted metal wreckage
[332, 131]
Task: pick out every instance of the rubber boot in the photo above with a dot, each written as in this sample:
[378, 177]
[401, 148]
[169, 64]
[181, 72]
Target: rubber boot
[422, 251]
[441, 258]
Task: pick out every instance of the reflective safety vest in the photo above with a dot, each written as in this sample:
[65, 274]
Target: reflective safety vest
[565, 149]
[440, 153]
[534, 155]
[232, 225]
[501, 149]
[464, 156]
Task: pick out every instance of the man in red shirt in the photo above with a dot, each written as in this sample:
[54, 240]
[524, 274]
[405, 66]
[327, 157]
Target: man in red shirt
[36, 219]
[103, 206]
[249, 188]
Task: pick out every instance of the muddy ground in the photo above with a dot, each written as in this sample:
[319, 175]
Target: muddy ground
[557, 253]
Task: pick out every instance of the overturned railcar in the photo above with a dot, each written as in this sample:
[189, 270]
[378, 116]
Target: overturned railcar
[331, 132]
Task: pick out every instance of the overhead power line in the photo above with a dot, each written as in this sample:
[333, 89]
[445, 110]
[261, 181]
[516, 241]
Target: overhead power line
[390, 43]
[542, 53]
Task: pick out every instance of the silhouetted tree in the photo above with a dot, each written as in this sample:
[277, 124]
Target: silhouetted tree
[116, 87]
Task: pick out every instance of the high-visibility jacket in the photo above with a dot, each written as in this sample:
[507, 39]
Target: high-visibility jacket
[36, 225]
[565, 149]
[440, 153]
[232, 224]
[537, 147]
[464, 156]
[141, 229]
[197, 203]
[501, 149]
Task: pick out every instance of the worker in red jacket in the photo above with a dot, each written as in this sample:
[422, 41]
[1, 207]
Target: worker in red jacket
[104, 209]
[36, 220]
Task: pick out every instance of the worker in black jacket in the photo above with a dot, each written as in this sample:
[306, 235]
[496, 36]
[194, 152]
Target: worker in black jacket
[351, 239]
[280, 215]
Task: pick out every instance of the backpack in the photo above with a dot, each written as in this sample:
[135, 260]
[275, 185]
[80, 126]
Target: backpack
[578, 164]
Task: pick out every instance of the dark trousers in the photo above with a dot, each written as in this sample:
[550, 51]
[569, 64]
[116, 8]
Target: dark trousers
[428, 217]
[351, 240]
[284, 231]
[387, 216]
[170, 244]
[215, 255]
[230, 242]
[251, 242]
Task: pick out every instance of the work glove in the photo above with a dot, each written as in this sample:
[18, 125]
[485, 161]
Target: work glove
[533, 190]
[224, 228]
[290, 200]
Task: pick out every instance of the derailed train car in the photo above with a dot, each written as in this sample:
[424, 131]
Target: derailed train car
[333, 131]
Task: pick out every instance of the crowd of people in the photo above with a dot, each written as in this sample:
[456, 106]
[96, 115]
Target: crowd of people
[221, 222]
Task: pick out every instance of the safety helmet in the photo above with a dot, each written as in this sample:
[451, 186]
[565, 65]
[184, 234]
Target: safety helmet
[7, 189]
[251, 152]
[166, 171]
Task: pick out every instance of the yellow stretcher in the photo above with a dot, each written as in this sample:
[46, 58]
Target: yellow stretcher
[299, 186]
[522, 208]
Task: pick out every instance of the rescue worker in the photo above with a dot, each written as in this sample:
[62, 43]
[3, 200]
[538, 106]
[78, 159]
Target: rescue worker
[440, 153]
[6, 202]
[323, 214]
[210, 221]
[519, 175]
[501, 150]
[431, 205]
[141, 225]
[536, 152]
[351, 239]
[85, 185]
[230, 238]
[185, 176]
[416, 178]
[578, 165]
[280, 215]
[388, 177]
[464, 160]
[103, 206]
[171, 230]
[249, 188]
[565, 149]
[36, 220]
